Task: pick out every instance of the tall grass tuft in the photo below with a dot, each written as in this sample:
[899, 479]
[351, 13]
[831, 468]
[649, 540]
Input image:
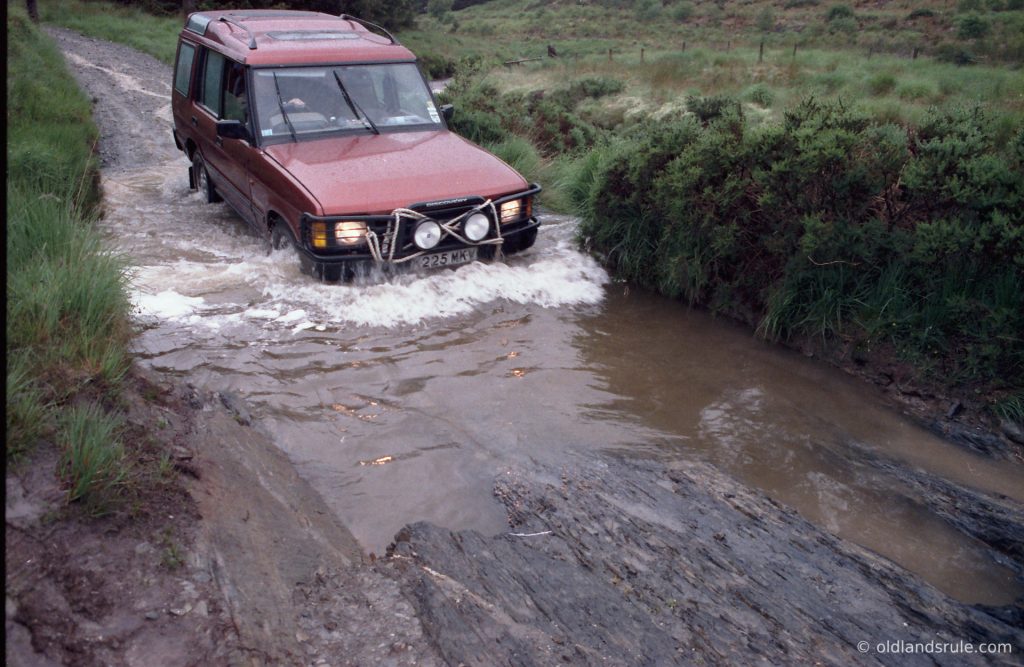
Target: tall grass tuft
[27, 407]
[92, 459]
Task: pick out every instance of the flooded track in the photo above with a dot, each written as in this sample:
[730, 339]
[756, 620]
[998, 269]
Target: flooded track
[401, 400]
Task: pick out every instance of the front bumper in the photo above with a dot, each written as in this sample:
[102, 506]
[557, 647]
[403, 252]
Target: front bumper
[390, 237]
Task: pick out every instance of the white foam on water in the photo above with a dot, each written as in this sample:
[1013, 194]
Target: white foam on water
[242, 283]
[291, 316]
[262, 314]
[414, 298]
[167, 305]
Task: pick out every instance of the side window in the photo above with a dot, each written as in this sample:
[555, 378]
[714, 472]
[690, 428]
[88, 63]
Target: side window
[236, 106]
[213, 75]
[183, 70]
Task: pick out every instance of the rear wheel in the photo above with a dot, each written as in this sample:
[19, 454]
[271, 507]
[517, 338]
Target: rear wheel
[202, 179]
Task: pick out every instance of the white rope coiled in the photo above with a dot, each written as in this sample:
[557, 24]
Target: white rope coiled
[448, 228]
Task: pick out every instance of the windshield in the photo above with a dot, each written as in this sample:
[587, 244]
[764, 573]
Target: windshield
[309, 102]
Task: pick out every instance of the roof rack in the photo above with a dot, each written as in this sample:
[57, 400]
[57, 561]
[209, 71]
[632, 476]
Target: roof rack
[371, 26]
[252, 37]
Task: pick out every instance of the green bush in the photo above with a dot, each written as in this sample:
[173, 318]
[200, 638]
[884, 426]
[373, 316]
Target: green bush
[707, 109]
[682, 11]
[845, 26]
[881, 84]
[761, 95]
[957, 55]
[766, 20]
[837, 12]
[829, 224]
[439, 8]
[647, 10]
[972, 26]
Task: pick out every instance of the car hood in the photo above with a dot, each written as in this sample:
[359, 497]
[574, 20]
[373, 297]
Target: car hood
[377, 173]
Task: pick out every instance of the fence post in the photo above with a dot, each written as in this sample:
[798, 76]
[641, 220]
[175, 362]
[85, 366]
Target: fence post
[794, 51]
[684, 47]
[760, 53]
[609, 55]
[641, 54]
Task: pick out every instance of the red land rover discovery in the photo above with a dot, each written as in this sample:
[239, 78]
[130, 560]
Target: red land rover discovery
[322, 133]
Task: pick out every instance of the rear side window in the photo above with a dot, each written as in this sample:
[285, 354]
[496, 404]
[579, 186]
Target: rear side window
[213, 76]
[183, 71]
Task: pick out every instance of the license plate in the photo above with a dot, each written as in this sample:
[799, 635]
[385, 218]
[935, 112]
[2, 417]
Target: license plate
[447, 258]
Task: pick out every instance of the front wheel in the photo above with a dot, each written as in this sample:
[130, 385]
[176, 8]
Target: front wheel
[520, 242]
[281, 238]
[202, 179]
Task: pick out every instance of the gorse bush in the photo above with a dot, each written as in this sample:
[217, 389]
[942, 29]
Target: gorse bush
[836, 12]
[972, 26]
[707, 109]
[550, 120]
[827, 224]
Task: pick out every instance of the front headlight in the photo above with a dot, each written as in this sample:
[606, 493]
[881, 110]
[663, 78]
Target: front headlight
[350, 232]
[511, 210]
[516, 209]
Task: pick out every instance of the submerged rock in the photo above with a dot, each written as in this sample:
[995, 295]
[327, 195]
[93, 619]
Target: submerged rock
[622, 563]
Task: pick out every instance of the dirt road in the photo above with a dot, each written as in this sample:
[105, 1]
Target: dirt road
[604, 561]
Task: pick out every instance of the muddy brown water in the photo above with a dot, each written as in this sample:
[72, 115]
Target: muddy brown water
[401, 400]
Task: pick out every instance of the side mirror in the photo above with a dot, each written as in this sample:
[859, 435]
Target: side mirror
[232, 129]
[447, 110]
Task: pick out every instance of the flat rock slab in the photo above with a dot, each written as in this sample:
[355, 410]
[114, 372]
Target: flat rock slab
[623, 563]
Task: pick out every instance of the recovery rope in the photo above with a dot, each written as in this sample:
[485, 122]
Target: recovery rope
[383, 249]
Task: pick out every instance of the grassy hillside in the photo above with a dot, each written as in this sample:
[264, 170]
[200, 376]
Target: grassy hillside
[842, 194]
[981, 31]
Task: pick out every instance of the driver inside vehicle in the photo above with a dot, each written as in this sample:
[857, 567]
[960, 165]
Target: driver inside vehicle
[310, 94]
[360, 87]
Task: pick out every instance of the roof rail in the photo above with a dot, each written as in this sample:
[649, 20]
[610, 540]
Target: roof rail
[252, 38]
[367, 24]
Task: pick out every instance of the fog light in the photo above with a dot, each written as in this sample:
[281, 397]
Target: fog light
[476, 227]
[427, 235]
[511, 210]
[350, 232]
[318, 231]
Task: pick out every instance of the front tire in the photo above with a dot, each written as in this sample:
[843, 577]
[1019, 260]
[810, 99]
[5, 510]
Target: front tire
[281, 238]
[202, 179]
[520, 242]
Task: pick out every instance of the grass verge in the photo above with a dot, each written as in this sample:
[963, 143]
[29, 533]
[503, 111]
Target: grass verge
[67, 306]
[120, 23]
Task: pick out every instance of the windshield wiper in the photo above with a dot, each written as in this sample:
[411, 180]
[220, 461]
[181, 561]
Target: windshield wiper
[284, 114]
[359, 113]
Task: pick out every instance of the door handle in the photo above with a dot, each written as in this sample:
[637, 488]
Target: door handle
[219, 141]
[195, 121]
